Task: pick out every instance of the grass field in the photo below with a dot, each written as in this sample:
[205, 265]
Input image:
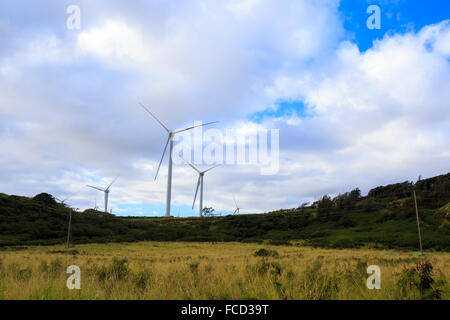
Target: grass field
[177, 270]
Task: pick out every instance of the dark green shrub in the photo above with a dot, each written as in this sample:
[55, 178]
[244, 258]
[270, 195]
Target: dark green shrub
[194, 267]
[20, 274]
[263, 267]
[420, 278]
[118, 270]
[142, 279]
[45, 198]
[346, 222]
[266, 253]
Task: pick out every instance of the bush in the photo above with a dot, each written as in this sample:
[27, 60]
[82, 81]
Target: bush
[45, 198]
[266, 253]
[346, 222]
[118, 270]
[20, 274]
[263, 267]
[194, 267]
[142, 279]
[420, 278]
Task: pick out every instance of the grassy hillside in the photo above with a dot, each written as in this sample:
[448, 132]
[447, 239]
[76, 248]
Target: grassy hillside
[385, 218]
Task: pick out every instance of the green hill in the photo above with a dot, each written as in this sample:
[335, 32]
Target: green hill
[385, 218]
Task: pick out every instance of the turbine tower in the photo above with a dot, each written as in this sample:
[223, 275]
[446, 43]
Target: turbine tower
[106, 191]
[199, 184]
[169, 167]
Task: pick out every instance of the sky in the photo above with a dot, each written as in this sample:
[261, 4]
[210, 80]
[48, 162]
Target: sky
[352, 106]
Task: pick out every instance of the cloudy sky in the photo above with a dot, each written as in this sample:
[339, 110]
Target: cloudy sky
[355, 107]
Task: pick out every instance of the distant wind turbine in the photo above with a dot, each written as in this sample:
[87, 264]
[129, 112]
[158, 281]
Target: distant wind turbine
[169, 168]
[106, 191]
[236, 211]
[199, 184]
[63, 202]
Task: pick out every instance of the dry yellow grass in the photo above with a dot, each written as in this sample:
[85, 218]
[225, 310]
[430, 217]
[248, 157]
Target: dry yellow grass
[173, 270]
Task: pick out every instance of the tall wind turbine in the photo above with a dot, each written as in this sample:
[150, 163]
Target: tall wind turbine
[199, 184]
[169, 167]
[106, 191]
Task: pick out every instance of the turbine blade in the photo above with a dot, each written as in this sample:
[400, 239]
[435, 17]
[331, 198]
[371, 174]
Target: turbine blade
[196, 190]
[200, 125]
[190, 164]
[235, 201]
[112, 183]
[162, 157]
[211, 168]
[96, 188]
[168, 131]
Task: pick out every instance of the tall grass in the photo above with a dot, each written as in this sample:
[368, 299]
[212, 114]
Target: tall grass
[156, 270]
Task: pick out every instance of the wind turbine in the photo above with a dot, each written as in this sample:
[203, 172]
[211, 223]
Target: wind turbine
[106, 191]
[169, 167]
[237, 207]
[199, 184]
[62, 201]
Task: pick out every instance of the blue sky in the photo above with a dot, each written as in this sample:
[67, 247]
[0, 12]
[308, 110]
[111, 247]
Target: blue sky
[398, 16]
[69, 112]
[281, 108]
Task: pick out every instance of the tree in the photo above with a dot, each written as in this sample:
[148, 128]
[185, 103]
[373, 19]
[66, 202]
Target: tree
[45, 198]
[354, 195]
[303, 206]
[208, 212]
[325, 205]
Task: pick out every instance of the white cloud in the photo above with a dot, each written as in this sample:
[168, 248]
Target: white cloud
[67, 119]
[114, 40]
[386, 111]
